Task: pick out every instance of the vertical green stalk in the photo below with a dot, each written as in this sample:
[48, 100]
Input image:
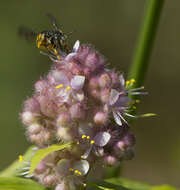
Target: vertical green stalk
[145, 43]
[143, 50]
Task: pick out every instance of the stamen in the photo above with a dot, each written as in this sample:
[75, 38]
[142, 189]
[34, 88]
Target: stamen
[137, 93]
[136, 89]
[20, 158]
[71, 169]
[67, 88]
[127, 83]
[77, 172]
[92, 142]
[132, 81]
[59, 86]
[83, 136]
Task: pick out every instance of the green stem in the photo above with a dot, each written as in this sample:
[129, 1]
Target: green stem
[145, 43]
[15, 167]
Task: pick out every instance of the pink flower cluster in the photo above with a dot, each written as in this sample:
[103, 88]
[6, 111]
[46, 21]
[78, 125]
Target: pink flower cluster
[79, 101]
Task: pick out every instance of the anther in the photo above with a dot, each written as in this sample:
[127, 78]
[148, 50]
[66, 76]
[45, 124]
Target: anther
[20, 158]
[127, 82]
[83, 136]
[71, 169]
[67, 88]
[59, 86]
[132, 81]
[92, 142]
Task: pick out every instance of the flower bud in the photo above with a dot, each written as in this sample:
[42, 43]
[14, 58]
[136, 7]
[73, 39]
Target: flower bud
[120, 146]
[114, 78]
[35, 128]
[104, 81]
[41, 86]
[65, 134]
[105, 94]
[63, 120]
[49, 180]
[110, 160]
[100, 118]
[28, 117]
[41, 138]
[129, 139]
[77, 111]
[62, 186]
[95, 94]
[32, 105]
[41, 167]
[48, 107]
[93, 83]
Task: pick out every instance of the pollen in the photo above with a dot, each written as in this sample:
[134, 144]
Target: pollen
[83, 136]
[127, 83]
[92, 142]
[88, 137]
[132, 81]
[67, 88]
[77, 172]
[59, 86]
[20, 158]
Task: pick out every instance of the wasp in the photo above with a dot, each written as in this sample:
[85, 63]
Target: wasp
[53, 41]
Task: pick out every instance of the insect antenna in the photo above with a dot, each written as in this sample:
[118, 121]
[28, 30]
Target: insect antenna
[52, 20]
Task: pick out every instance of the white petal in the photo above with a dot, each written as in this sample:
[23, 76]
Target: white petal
[60, 78]
[121, 117]
[76, 46]
[69, 56]
[102, 138]
[78, 96]
[117, 118]
[82, 166]
[114, 95]
[121, 79]
[77, 82]
[63, 166]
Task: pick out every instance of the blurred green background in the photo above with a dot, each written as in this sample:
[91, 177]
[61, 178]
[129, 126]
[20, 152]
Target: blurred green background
[112, 26]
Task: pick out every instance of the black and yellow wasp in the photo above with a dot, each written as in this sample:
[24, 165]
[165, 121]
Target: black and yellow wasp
[53, 41]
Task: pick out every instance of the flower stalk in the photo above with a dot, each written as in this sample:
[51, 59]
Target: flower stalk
[145, 43]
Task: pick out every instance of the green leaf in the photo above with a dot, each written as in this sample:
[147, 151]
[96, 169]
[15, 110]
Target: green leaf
[42, 153]
[103, 185]
[163, 187]
[15, 183]
[132, 185]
